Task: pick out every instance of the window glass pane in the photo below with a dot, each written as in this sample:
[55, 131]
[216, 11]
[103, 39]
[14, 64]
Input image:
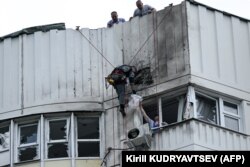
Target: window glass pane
[232, 123]
[58, 150]
[151, 108]
[27, 153]
[28, 134]
[170, 110]
[88, 149]
[206, 109]
[232, 108]
[88, 128]
[4, 138]
[58, 129]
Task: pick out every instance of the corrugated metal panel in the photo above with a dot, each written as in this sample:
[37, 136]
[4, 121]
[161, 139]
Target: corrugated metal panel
[195, 133]
[5, 158]
[10, 85]
[60, 66]
[219, 47]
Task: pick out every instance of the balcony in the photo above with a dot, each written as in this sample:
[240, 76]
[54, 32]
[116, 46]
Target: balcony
[195, 134]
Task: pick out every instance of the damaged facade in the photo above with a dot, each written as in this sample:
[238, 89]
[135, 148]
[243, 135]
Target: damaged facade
[56, 111]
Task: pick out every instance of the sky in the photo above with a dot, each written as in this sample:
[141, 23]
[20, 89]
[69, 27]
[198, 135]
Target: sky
[19, 14]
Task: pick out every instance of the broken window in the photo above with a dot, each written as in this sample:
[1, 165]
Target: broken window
[206, 108]
[4, 138]
[58, 138]
[88, 137]
[28, 145]
[218, 111]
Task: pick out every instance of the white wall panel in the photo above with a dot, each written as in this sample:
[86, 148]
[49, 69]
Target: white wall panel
[219, 47]
[10, 75]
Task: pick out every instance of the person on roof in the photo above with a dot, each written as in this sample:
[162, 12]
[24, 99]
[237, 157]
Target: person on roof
[119, 78]
[152, 123]
[142, 9]
[115, 19]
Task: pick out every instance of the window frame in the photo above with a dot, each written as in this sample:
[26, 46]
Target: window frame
[224, 113]
[218, 116]
[179, 93]
[221, 113]
[47, 136]
[87, 140]
[36, 144]
[181, 105]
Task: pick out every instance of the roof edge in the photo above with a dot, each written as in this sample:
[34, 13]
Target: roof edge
[31, 30]
[214, 9]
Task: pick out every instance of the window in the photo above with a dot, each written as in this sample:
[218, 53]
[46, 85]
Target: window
[28, 145]
[172, 109]
[218, 111]
[231, 116]
[151, 108]
[58, 138]
[206, 108]
[169, 108]
[4, 138]
[88, 137]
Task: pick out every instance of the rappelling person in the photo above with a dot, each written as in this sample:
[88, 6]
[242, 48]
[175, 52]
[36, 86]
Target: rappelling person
[119, 77]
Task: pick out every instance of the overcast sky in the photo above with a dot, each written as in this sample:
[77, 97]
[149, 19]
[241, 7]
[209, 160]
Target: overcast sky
[19, 14]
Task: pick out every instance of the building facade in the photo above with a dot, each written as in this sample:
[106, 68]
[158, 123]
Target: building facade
[56, 111]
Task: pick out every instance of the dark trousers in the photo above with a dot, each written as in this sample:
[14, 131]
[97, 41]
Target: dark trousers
[120, 90]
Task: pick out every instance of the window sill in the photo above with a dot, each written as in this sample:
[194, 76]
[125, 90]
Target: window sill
[58, 159]
[88, 158]
[27, 162]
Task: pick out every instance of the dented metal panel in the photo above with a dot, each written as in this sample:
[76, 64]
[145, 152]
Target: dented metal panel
[219, 46]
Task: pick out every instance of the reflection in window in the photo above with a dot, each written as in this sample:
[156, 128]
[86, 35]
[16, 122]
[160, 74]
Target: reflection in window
[206, 109]
[58, 139]
[4, 138]
[28, 134]
[28, 146]
[88, 137]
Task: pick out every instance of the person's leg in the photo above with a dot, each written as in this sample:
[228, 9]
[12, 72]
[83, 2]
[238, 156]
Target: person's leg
[120, 90]
[131, 81]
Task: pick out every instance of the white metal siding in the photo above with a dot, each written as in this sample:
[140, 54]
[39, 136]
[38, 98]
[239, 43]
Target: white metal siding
[9, 74]
[195, 133]
[60, 66]
[219, 48]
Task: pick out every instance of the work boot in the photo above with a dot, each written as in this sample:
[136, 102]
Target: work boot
[122, 110]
